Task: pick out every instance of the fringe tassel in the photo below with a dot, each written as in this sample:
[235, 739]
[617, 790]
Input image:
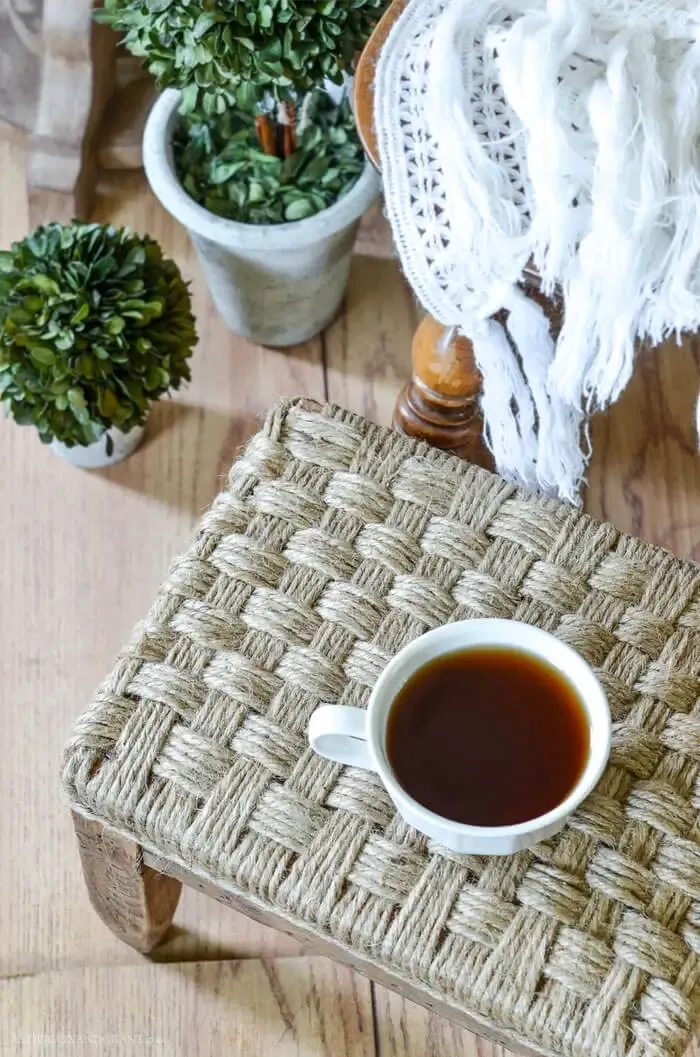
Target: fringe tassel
[560, 462]
[530, 56]
[509, 413]
[535, 437]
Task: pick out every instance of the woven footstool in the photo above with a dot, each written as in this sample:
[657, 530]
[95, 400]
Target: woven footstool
[334, 543]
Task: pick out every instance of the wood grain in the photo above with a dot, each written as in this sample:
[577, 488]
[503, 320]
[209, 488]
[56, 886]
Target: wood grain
[374, 239]
[645, 471]
[120, 136]
[368, 348]
[413, 992]
[82, 556]
[442, 402]
[290, 1008]
[136, 902]
[406, 1030]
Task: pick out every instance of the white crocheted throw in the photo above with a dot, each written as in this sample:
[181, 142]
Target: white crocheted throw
[560, 135]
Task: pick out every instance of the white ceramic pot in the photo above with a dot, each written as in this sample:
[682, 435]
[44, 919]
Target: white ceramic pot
[94, 456]
[275, 284]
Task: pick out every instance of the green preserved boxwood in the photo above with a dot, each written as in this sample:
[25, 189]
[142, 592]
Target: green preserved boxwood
[251, 73]
[95, 324]
[225, 53]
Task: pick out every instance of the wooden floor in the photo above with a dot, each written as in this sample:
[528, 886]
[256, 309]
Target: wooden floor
[81, 557]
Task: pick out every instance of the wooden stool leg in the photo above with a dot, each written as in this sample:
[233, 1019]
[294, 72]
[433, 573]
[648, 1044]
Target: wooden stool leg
[441, 402]
[135, 901]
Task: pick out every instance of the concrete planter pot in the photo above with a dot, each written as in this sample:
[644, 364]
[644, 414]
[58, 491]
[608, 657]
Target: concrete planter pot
[94, 456]
[275, 284]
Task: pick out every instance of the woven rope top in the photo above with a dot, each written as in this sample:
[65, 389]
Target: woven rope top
[334, 544]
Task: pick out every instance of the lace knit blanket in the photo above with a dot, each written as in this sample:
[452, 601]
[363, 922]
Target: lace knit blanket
[563, 135]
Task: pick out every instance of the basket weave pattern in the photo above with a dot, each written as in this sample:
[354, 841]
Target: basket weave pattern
[334, 544]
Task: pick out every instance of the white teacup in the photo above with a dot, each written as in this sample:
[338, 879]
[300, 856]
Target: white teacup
[358, 738]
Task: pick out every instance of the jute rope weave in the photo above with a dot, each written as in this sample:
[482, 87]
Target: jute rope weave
[334, 544]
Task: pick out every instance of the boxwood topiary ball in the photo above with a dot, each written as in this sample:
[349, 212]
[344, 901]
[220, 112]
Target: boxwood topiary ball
[226, 52]
[95, 324]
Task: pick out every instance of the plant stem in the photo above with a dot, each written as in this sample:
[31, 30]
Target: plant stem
[279, 137]
[266, 133]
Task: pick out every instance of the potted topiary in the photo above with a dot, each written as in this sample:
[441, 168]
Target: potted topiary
[95, 324]
[254, 150]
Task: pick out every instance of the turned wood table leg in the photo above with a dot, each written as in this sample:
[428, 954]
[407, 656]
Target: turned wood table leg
[135, 901]
[441, 402]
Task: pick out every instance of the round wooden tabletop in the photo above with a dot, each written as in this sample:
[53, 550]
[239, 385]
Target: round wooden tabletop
[364, 81]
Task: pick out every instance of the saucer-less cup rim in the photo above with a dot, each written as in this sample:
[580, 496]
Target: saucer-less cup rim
[358, 738]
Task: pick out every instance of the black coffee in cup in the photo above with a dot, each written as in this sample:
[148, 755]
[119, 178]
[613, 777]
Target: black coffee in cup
[488, 736]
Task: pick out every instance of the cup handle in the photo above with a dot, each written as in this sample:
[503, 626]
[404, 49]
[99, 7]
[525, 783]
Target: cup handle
[339, 733]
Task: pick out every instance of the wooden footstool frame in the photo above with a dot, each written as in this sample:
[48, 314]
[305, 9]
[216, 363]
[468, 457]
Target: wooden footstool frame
[334, 544]
[136, 893]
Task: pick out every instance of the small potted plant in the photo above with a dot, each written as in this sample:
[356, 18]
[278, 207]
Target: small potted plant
[95, 325]
[253, 148]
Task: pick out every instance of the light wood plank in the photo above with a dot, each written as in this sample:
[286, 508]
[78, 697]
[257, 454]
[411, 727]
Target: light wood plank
[406, 1030]
[297, 1007]
[82, 556]
[368, 348]
[374, 238]
[645, 471]
[14, 200]
[321, 945]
